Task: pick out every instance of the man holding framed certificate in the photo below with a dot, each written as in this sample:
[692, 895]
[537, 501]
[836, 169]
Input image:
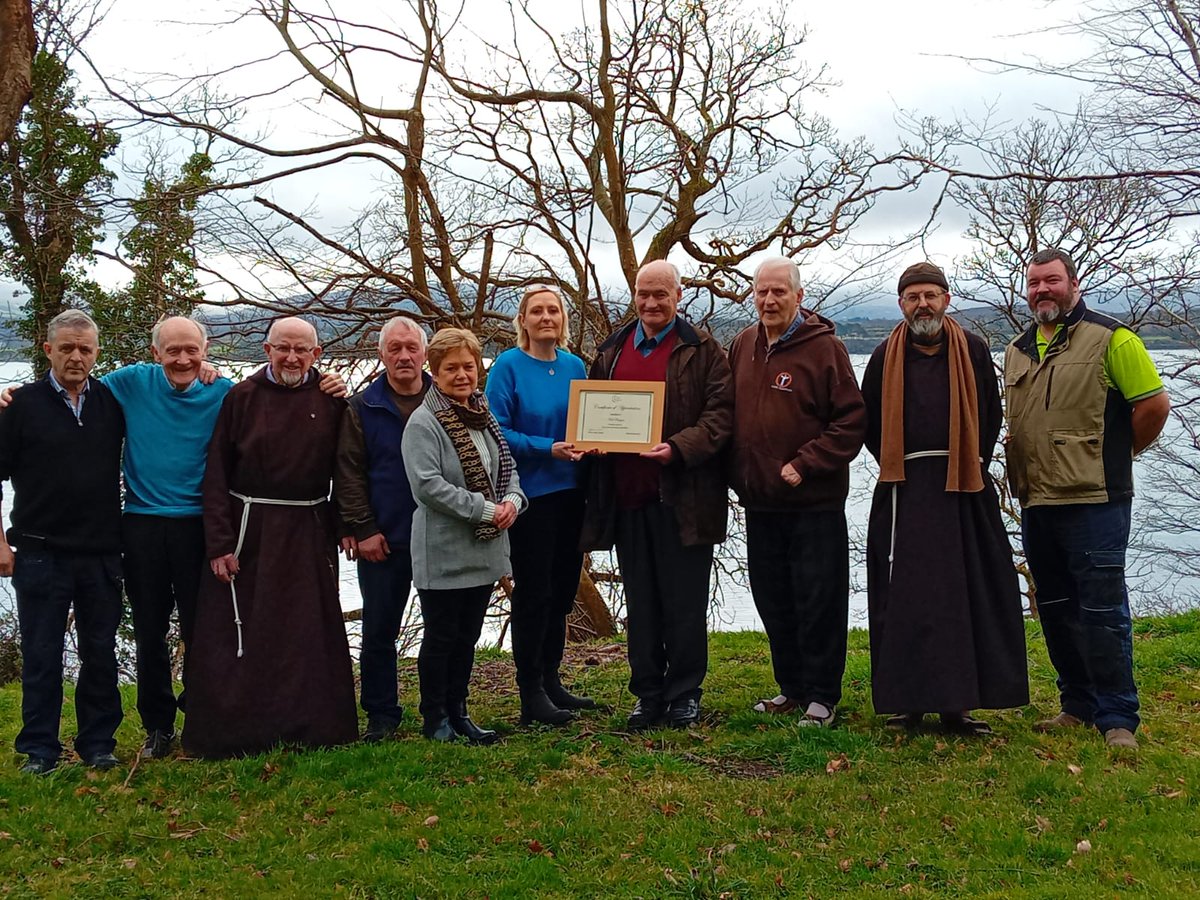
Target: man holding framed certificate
[664, 507]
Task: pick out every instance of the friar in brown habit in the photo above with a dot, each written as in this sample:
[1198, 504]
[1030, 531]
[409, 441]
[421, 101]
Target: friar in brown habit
[943, 600]
[269, 662]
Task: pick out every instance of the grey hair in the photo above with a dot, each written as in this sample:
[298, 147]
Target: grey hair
[71, 318]
[403, 322]
[156, 331]
[793, 269]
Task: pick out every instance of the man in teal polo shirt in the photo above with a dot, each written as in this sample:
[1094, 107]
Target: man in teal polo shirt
[1083, 398]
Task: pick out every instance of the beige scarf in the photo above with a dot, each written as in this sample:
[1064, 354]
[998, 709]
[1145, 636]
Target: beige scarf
[963, 473]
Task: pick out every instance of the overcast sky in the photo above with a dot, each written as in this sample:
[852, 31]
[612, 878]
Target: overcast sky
[885, 57]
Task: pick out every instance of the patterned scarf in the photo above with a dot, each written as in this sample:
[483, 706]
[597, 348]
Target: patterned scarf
[457, 419]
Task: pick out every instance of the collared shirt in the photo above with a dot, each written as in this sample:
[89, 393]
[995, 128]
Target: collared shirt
[271, 376]
[645, 345]
[76, 406]
[790, 330]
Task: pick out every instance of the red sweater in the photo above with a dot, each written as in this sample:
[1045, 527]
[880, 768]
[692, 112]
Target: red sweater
[637, 478]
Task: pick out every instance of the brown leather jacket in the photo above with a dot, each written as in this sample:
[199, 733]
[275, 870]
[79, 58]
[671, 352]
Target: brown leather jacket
[697, 423]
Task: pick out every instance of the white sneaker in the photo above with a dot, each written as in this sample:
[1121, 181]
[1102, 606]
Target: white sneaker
[818, 715]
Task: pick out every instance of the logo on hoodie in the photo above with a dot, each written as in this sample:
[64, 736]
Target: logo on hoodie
[783, 382]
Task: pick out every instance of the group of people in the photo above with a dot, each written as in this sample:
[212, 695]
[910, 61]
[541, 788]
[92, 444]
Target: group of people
[237, 498]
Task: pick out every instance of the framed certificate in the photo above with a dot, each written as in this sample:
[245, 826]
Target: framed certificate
[615, 416]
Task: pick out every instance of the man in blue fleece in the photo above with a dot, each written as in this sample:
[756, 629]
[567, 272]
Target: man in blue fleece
[169, 416]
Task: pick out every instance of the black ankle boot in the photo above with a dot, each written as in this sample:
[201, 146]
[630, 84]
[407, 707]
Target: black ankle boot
[564, 699]
[462, 725]
[437, 727]
[536, 708]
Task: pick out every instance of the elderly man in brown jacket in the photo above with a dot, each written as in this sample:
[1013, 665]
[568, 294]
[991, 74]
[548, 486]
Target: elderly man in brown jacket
[667, 507]
[799, 421]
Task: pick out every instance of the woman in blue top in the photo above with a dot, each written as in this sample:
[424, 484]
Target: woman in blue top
[528, 388]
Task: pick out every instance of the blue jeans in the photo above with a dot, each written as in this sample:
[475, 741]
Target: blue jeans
[1076, 555]
[48, 583]
[385, 588]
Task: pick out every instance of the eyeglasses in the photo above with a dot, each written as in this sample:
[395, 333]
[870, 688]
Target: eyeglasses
[288, 350]
[927, 296]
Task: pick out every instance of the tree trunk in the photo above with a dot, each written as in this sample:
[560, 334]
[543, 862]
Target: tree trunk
[17, 45]
[591, 617]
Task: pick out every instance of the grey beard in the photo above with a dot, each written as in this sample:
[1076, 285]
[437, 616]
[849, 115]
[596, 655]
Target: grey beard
[926, 328]
[1047, 316]
[291, 379]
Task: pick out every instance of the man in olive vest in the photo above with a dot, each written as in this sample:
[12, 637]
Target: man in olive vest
[1083, 398]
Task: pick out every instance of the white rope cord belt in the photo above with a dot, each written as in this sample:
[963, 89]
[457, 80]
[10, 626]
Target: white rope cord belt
[919, 454]
[247, 502]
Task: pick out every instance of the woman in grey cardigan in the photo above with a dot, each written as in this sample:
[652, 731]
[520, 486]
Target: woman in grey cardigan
[468, 495]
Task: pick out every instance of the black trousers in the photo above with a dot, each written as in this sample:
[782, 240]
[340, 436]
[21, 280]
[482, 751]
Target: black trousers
[799, 566]
[545, 566]
[385, 587]
[48, 583]
[164, 559]
[666, 596]
[453, 620]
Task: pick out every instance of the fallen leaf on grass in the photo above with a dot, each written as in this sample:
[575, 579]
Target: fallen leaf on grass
[1171, 795]
[423, 845]
[268, 772]
[845, 864]
[535, 846]
[5, 836]
[432, 821]
[668, 808]
[1043, 824]
[58, 862]
[1074, 769]
[129, 863]
[838, 763]
[85, 789]
[1084, 846]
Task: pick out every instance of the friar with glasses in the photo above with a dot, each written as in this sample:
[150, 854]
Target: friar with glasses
[270, 663]
[944, 604]
[60, 444]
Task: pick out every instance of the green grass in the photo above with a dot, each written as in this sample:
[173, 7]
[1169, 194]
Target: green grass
[740, 807]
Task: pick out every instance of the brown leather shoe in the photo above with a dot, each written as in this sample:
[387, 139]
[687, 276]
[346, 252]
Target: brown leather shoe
[1120, 738]
[1061, 722]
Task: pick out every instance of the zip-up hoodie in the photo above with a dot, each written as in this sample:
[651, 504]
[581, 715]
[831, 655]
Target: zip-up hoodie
[795, 402]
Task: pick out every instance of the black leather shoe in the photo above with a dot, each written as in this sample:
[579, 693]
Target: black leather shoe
[683, 712]
[646, 714]
[39, 765]
[379, 730]
[536, 708]
[438, 729]
[158, 744]
[464, 727]
[564, 699]
[101, 761]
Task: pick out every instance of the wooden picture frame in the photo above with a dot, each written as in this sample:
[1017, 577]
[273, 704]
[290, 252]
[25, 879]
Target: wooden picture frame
[615, 416]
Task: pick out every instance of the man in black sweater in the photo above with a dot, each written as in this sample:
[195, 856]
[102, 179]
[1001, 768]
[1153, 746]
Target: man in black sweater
[60, 444]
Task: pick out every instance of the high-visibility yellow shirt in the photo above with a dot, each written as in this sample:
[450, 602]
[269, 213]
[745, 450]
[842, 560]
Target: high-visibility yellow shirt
[1127, 364]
